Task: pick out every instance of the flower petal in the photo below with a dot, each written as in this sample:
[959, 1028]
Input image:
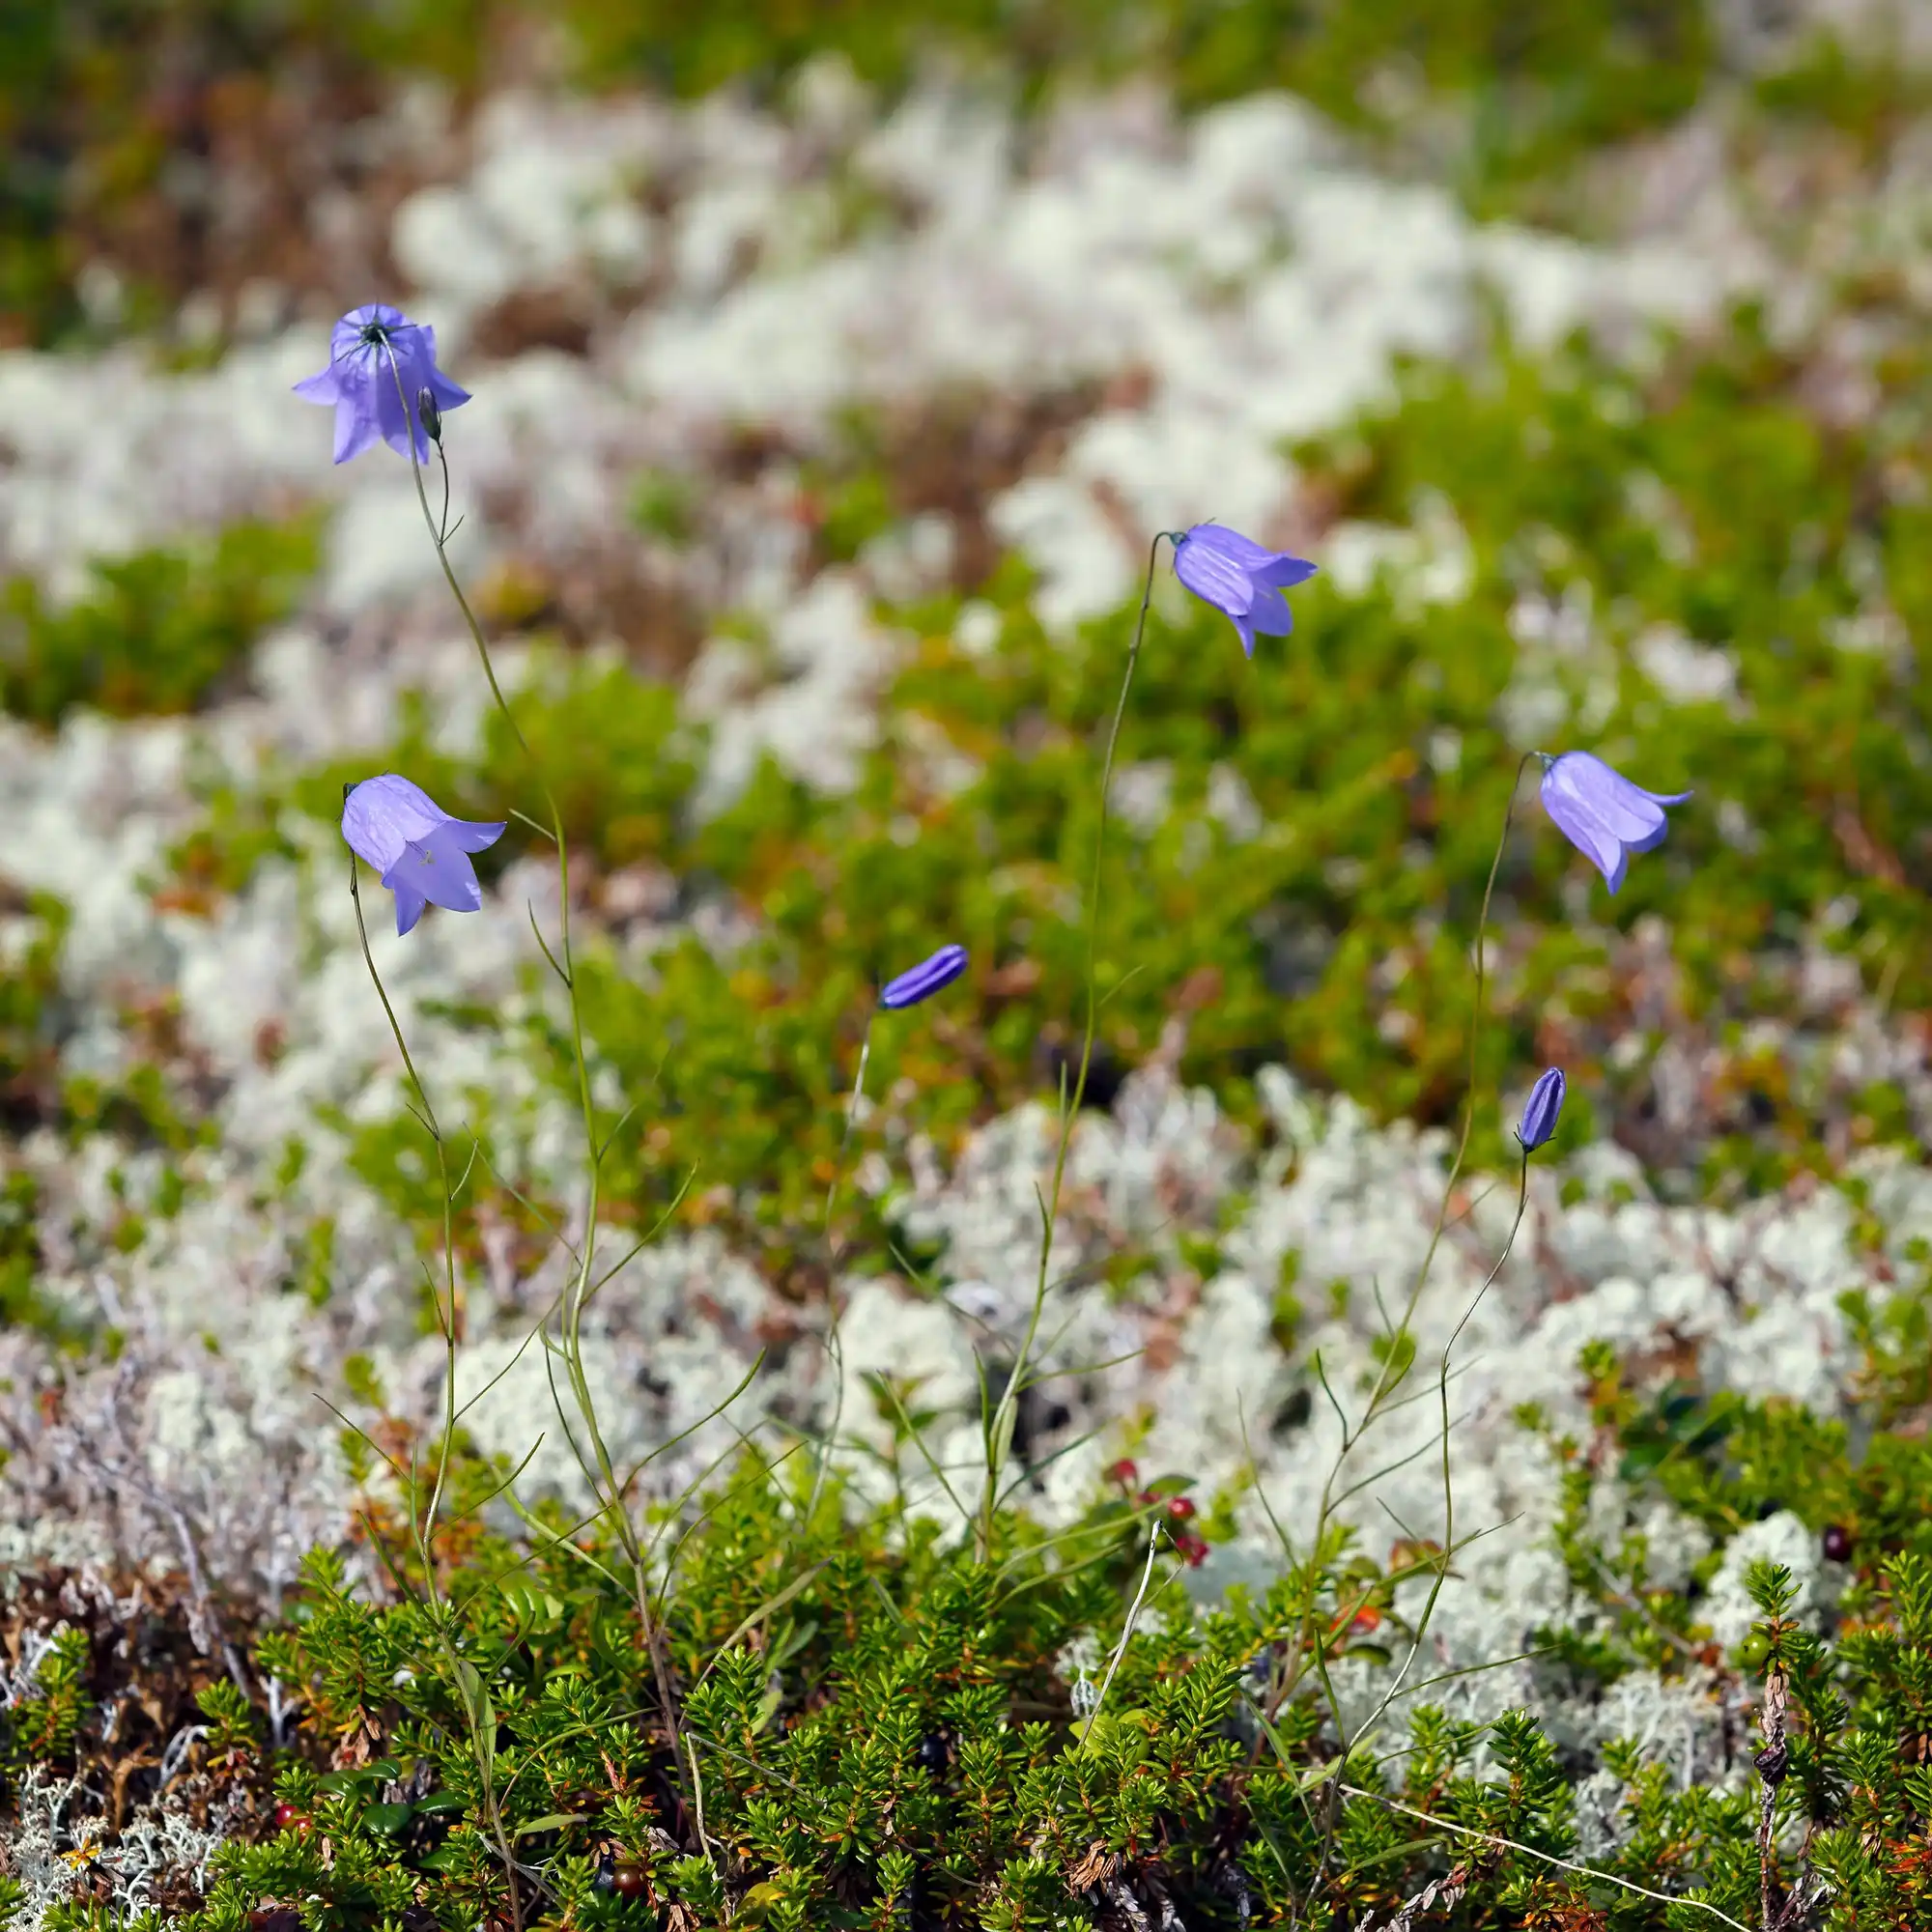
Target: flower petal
[354, 428]
[1239, 550]
[409, 904]
[388, 410]
[441, 870]
[920, 983]
[1269, 613]
[1573, 817]
[1285, 572]
[1602, 796]
[1213, 577]
[473, 834]
[323, 387]
[1543, 1109]
[381, 814]
[363, 375]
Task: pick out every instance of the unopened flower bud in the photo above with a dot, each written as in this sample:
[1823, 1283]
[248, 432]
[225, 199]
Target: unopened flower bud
[1540, 1114]
[430, 415]
[920, 983]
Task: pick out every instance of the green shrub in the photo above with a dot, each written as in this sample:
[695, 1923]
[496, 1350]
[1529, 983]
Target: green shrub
[158, 630]
[872, 1720]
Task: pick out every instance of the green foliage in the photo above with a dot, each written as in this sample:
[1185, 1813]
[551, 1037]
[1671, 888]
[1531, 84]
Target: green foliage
[158, 631]
[1698, 499]
[96, 95]
[40, 1725]
[871, 1720]
[30, 944]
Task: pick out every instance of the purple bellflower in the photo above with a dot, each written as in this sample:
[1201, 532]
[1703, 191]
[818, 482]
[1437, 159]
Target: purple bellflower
[1240, 578]
[362, 385]
[920, 983]
[1542, 1110]
[421, 852]
[1602, 813]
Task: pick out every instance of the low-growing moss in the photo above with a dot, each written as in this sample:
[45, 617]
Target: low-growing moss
[158, 631]
[139, 1101]
[29, 983]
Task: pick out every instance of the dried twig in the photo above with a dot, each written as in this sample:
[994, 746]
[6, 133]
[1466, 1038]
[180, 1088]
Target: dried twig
[1772, 1763]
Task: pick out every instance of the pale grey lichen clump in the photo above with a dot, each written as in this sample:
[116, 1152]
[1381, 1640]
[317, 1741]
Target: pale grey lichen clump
[210, 1433]
[58, 1847]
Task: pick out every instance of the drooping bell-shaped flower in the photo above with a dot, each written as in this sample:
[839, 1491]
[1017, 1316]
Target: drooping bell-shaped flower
[1602, 813]
[1240, 578]
[420, 851]
[362, 385]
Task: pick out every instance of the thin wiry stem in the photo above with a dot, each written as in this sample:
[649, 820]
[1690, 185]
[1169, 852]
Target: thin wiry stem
[423, 1521]
[1441, 1568]
[1475, 1042]
[602, 1474]
[1126, 1632]
[999, 1429]
[1395, 1367]
[1548, 1858]
[832, 1349]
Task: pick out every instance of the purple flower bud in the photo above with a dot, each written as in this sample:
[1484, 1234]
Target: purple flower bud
[1602, 813]
[421, 852]
[1240, 580]
[1541, 1111]
[920, 983]
[362, 385]
[429, 414]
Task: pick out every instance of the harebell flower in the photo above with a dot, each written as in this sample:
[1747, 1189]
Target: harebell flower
[421, 852]
[360, 386]
[1240, 578]
[1602, 813]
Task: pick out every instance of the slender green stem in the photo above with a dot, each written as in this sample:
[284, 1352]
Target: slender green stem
[1310, 1637]
[423, 1520]
[833, 1347]
[1127, 1636]
[1441, 1568]
[1475, 1042]
[603, 1475]
[1386, 1376]
[999, 1429]
[1549, 1858]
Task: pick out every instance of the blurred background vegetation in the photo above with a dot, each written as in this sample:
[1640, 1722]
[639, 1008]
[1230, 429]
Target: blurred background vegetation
[112, 111]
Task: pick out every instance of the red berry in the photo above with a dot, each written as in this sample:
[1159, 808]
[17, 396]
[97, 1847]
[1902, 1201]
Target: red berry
[1837, 1543]
[288, 1818]
[1125, 1472]
[1179, 1509]
[1366, 1618]
[627, 1881]
[1192, 1550]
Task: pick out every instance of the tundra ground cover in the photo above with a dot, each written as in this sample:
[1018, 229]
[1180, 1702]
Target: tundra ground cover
[1710, 556]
